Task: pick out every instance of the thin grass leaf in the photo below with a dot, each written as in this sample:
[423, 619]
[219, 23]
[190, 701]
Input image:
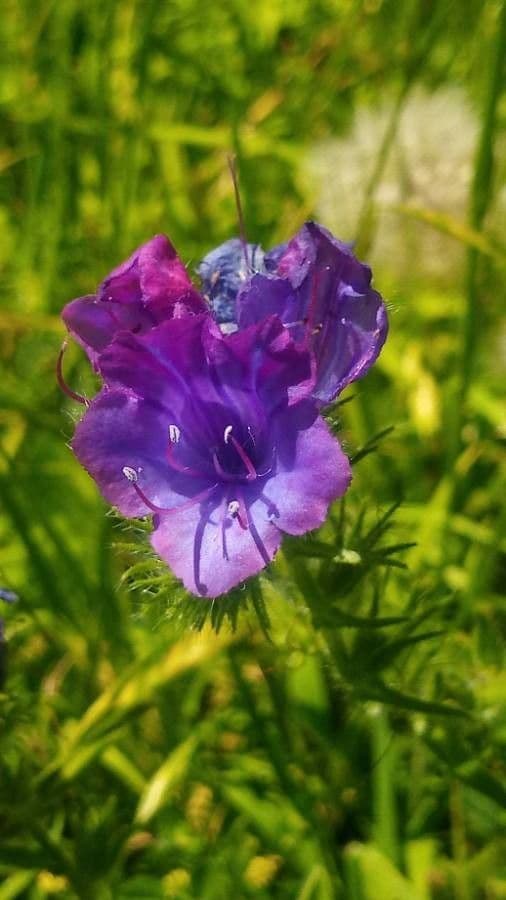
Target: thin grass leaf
[392, 697]
[372, 445]
[165, 779]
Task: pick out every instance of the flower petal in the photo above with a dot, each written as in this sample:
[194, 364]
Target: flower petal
[153, 275]
[267, 295]
[190, 359]
[323, 294]
[164, 281]
[118, 431]
[310, 474]
[265, 361]
[346, 316]
[151, 286]
[90, 324]
[165, 365]
[210, 551]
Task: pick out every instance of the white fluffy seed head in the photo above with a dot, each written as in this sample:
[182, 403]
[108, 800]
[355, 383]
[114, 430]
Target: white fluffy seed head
[130, 473]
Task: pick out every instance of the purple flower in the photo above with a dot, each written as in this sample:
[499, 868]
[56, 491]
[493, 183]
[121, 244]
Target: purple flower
[150, 287]
[209, 414]
[319, 290]
[218, 437]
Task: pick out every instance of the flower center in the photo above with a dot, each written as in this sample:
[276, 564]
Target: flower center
[231, 461]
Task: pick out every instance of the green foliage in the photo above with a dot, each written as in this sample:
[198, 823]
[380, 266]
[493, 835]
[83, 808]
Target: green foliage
[334, 730]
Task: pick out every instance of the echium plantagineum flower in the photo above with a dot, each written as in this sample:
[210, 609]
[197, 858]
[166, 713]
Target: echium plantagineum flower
[209, 416]
[217, 437]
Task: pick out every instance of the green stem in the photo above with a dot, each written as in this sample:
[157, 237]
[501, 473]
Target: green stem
[386, 834]
[458, 839]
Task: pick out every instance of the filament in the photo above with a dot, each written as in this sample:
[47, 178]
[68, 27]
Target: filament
[61, 381]
[131, 476]
[252, 472]
[179, 467]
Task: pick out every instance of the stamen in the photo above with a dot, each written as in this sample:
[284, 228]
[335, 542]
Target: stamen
[242, 515]
[252, 472]
[250, 468]
[132, 476]
[179, 467]
[237, 510]
[232, 165]
[174, 438]
[219, 468]
[224, 549]
[61, 381]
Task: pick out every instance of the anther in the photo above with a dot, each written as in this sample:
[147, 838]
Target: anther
[130, 474]
[174, 434]
[227, 433]
[237, 509]
[61, 381]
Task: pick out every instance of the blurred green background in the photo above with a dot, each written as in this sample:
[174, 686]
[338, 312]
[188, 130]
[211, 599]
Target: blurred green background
[354, 747]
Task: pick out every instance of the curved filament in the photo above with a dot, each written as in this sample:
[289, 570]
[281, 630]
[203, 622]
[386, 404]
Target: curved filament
[61, 381]
[203, 495]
